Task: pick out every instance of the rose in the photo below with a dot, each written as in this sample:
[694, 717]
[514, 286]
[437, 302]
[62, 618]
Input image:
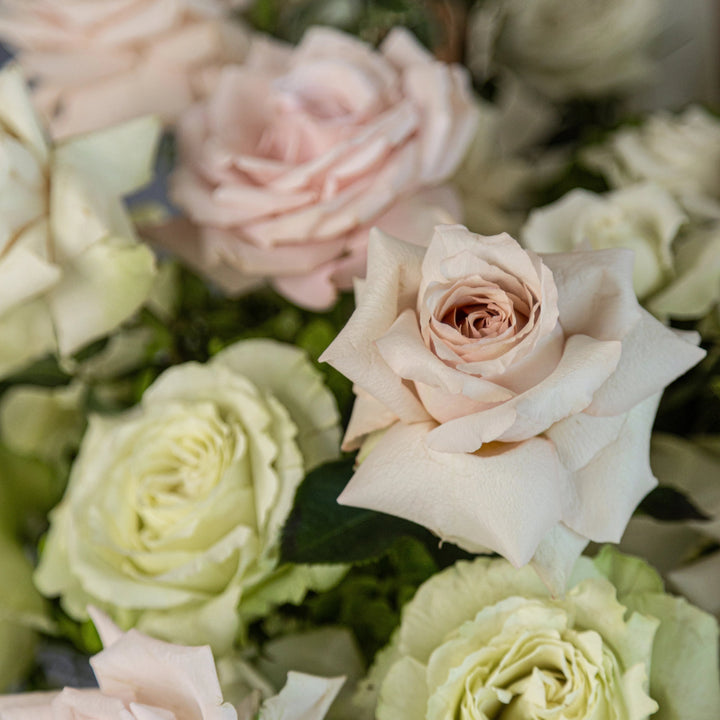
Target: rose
[173, 511]
[675, 274]
[681, 153]
[70, 267]
[483, 640]
[299, 151]
[97, 64]
[140, 678]
[643, 218]
[517, 393]
[562, 49]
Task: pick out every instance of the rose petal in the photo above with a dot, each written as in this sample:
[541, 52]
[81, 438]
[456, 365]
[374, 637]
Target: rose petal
[506, 499]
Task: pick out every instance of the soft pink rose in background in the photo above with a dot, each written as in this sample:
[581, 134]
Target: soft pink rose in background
[95, 64]
[141, 678]
[516, 393]
[299, 151]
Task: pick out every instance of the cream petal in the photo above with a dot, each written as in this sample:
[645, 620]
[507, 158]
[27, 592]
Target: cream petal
[652, 357]
[121, 159]
[612, 484]
[550, 229]
[103, 287]
[368, 415]
[18, 114]
[405, 353]
[585, 365]
[23, 276]
[394, 267]
[556, 556]
[595, 292]
[506, 500]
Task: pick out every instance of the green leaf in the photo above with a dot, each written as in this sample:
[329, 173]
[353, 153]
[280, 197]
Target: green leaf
[319, 530]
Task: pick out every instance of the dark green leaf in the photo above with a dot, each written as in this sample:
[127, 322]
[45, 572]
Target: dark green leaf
[319, 530]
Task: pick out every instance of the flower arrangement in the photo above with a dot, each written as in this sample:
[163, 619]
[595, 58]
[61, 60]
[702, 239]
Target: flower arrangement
[340, 343]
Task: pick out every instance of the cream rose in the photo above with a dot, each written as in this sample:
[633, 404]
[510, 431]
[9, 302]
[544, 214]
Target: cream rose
[71, 268]
[517, 393]
[680, 153]
[565, 49]
[299, 151]
[95, 64]
[485, 641]
[142, 678]
[676, 273]
[173, 512]
[642, 218]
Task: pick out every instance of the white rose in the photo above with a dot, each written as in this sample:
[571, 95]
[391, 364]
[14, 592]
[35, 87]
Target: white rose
[173, 512]
[565, 49]
[681, 153]
[643, 218]
[71, 268]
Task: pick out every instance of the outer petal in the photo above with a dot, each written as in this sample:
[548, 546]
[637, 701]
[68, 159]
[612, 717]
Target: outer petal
[121, 158]
[612, 484]
[506, 499]
[103, 287]
[652, 357]
[286, 373]
[394, 272]
[304, 697]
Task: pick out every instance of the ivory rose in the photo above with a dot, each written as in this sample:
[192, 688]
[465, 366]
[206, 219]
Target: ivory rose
[95, 64]
[680, 153]
[71, 269]
[516, 391]
[299, 151]
[172, 516]
[563, 48]
[485, 641]
[677, 265]
[141, 678]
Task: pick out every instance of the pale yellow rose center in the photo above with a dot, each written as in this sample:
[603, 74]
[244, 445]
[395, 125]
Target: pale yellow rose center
[177, 463]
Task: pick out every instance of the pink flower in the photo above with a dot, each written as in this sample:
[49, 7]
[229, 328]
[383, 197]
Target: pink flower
[299, 151]
[516, 393]
[95, 64]
[141, 678]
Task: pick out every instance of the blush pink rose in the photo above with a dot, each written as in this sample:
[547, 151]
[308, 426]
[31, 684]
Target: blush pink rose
[298, 152]
[95, 64]
[141, 678]
[515, 393]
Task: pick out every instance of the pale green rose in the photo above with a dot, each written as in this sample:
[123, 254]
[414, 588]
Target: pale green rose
[71, 269]
[173, 512]
[483, 641]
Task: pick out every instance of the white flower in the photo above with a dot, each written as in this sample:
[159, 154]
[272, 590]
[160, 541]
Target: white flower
[485, 641]
[71, 269]
[565, 48]
[680, 153]
[174, 509]
[643, 218]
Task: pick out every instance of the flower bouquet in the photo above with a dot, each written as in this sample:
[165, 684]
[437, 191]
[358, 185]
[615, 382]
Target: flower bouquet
[359, 359]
